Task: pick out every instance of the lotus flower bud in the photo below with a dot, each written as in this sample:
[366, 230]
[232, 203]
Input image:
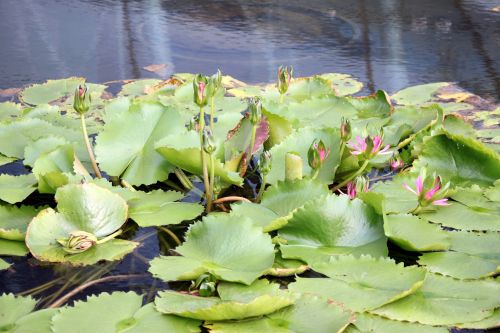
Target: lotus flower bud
[265, 162]
[214, 84]
[397, 164]
[82, 100]
[317, 154]
[199, 87]
[78, 241]
[208, 141]
[293, 166]
[284, 78]
[207, 289]
[345, 130]
[255, 107]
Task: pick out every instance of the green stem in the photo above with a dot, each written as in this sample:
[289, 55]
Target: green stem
[212, 111]
[172, 235]
[89, 147]
[354, 175]
[409, 139]
[107, 238]
[282, 97]
[212, 181]
[261, 189]
[183, 179]
[315, 173]
[252, 144]
[203, 158]
[128, 186]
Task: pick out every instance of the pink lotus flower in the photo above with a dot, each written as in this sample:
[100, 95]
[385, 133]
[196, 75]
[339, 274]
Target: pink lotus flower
[351, 190]
[397, 164]
[435, 195]
[360, 184]
[369, 147]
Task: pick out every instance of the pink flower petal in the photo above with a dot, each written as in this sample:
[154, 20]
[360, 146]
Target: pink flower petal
[410, 189]
[385, 150]
[419, 183]
[441, 202]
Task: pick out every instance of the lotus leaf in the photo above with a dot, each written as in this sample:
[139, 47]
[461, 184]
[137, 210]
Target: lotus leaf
[160, 208]
[492, 321]
[309, 314]
[138, 87]
[343, 84]
[236, 302]
[418, 94]
[476, 198]
[259, 214]
[299, 142]
[286, 267]
[13, 308]
[481, 244]
[415, 234]
[6, 160]
[228, 247]
[279, 128]
[84, 207]
[376, 105]
[12, 248]
[49, 91]
[240, 139]
[463, 161]
[332, 222]
[16, 188]
[183, 151]
[470, 267]
[9, 111]
[42, 146]
[125, 147]
[284, 198]
[366, 323]
[363, 283]
[446, 301]
[119, 313]
[4, 264]
[35, 322]
[14, 221]
[16, 136]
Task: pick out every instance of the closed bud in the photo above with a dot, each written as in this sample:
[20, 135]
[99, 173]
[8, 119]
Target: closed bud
[317, 154]
[345, 130]
[255, 107]
[265, 162]
[199, 87]
[82, 99]
[207, 289]
[208, 141]
[78, 241]
[284, 78]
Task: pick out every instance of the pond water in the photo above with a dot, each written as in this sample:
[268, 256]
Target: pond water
[387, 44]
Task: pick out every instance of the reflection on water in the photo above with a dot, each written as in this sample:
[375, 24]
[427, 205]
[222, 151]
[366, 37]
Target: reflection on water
[388, 44]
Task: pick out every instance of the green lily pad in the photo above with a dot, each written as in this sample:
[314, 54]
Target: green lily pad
[376, 105]
[16, 136]
[4, 264]
[6, 160]
[138, 87]
[366, 323]
[481, 244]
[84, 207]
[415, 234]
[463, 161]
[50, 91]
[236, 302]
[9, 111]
[459, 265]
[158, 208]
[42, 146]
[309, 314]
[363, 283]
[14, 221]
[228, 247]
[446, 301]
[299, 142]
[16, 188]
[343, 84]
[184, 152]
[486, 323]
[35, 322]
[259, 214]
[332, 222]
[418, 94]
[13, 308]
[125, 147]
[12, 248]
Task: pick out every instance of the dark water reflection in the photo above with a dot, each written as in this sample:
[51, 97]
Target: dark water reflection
[388, 44]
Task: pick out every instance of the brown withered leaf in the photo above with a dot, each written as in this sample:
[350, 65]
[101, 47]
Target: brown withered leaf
[9, 91]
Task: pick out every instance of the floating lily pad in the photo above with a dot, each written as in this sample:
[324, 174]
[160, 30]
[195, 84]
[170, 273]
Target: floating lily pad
[343, 84]
[35, 322]
[299, 142]
[259, 214]
[376, 105]
[236, 302]
[231, 248]
[333, 225]
[418, 94]
[138, 87]
[459, 265]
[446, 301]
[363, 283]
[9, 111]
[16, 188]
[481, 244]
[488, 322]
[6, 160]
[50, 91]
[308, 314]
[366, 323]
[125, 147]
[13, 308]
[14, 221]
[12, 248]
[4, 264]
[158, 208]
[85, 207]
[184, 152]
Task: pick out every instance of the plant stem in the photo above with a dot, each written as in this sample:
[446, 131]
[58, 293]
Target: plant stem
[203, 159]
[212, 111]
[354, 175]
[107, 238]
[409, 139]
[231, 198]
[127, 185]
[89, 147]
[212, 181]
[75, 291]
[261, 189]
[183, 179]
[252, 143]
[282, 97]
[172, 235]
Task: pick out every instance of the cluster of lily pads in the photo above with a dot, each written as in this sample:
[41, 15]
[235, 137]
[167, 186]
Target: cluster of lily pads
[302, 187]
